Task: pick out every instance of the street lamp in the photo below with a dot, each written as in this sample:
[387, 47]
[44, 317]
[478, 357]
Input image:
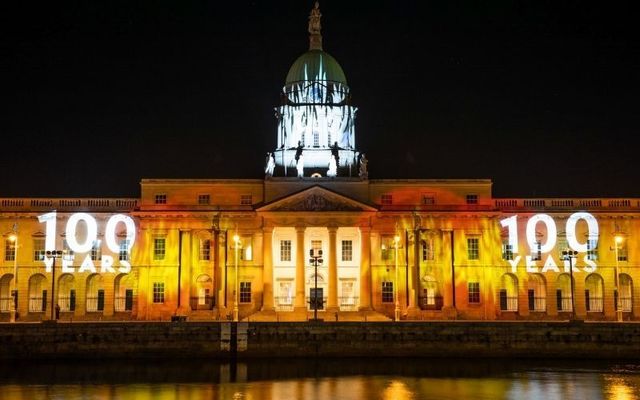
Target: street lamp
[53, 254]
[236, 241]
[396, 242]
[14, 290]
[570, 255]
[618, 241]
[316, 258]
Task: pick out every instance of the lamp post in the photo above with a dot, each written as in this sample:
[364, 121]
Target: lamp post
[617, 241]
[316, 258]
[236, 241]
[14, 289]
[53, 254]
[570, 255]
[396, 241]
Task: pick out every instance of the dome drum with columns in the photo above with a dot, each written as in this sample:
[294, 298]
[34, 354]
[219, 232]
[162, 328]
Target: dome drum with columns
[316, 122]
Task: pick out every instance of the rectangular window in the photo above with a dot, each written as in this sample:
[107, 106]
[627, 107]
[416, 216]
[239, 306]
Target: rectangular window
[9, 250]
[316, 139]
[536, 253]
[472, 199]
[285, 250]
[246, 252]
[474, 292]
[123, 252]
[245, 292]
[428, 199]
[158, 292]
[159, 248]
[38, 249]
[387, 248]
[246, 199]
[386, 199]
[622, 253]
[561, 245]
[205, 249]
[473, 248]
[507, 251]
[347, 250]
[316, 246]
[387, 292]
[161, 198]
[204, 199]
[428, 253]
[96, 251]
[592, 249]
[67, 254]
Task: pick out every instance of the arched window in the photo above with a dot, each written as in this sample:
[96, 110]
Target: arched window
[66, 293]
[95, 293]
[594, 293]
[626, 289]
[563, 293]
[123, 289]
[37, 293]
[508, 293]
[537, 293]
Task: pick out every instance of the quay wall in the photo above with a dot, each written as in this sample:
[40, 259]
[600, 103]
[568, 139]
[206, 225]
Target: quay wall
[221, 340]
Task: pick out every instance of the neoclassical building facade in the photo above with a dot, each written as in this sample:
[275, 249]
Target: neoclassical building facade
[384, 249]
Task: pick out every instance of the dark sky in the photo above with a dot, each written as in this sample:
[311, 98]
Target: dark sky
[539, 97]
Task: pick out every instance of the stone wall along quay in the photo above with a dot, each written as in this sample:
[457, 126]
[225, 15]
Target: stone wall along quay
[336, 339]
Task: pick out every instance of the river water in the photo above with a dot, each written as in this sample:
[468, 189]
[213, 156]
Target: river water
[349, 379]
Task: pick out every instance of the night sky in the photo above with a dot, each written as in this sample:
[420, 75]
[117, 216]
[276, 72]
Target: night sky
[539, 97]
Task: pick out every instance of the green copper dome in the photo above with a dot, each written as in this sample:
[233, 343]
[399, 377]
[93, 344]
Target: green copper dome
[316, 65]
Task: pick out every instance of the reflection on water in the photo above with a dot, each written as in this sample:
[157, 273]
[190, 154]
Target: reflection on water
[320, 379]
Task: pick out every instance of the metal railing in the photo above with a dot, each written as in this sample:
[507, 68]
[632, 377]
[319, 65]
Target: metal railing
[5, 304]
[37, 304]
[430, 302]
[66, 303]
[121, 305]
[348, 303]
[69, 204]
[564, 304]
[537, 304]
[203, 302]
[284, 303]
[508, 303]
[94, 304]
[321, 303]
[595, 304]
[555, 203]
[625, 304]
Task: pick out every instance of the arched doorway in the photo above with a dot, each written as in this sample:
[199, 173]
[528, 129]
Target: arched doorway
[625, 292]
[316, 294]
[430, 297]
[123, 289]
[37, 293]
[66, 293]
[95, 293]
[508, 293]
[5, 293]
[563, 293]
[537, 293]
[594, 293]
[203, 299]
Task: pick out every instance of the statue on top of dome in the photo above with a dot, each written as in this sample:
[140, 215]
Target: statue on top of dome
[314, 20]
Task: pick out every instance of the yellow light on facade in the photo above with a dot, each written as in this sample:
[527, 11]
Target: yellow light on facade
[396, 238]
[13, 238]
[236, 238]
[619, 239]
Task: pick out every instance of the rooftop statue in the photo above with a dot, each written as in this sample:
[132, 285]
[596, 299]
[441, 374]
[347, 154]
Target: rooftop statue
[314, 20]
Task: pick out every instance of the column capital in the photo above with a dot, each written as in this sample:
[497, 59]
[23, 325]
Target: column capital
[268, 229]
[365, 229]
[300, 229]
[332, 229]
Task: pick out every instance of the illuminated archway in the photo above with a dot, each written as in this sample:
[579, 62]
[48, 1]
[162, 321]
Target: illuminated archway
[5, 293]
[37, 293]
[594, 293]
[625, 289]
[66, 293]
[203, 299]
[123, 290]
[95, 293]
[563, 293]
[537, 293]
[508, 292]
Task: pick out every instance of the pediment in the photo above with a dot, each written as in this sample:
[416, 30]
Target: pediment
[316, 199]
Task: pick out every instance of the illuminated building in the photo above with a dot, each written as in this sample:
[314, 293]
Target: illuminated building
[461, 253]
